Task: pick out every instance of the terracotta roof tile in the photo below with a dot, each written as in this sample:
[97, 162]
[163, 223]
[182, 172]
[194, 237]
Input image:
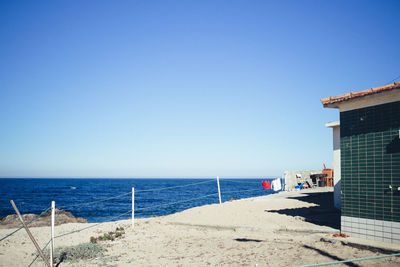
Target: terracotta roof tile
[353, 95]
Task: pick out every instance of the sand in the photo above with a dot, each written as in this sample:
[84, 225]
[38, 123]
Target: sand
[276, 230]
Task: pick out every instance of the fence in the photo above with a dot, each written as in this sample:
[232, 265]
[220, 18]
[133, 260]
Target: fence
[132, 211]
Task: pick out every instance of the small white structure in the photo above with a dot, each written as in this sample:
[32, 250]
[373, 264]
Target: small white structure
[336, 162]
[294, 178]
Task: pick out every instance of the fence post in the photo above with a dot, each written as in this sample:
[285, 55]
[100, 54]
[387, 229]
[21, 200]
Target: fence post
[219, 191]
[133, 206]
[29, 233]
[53, 212]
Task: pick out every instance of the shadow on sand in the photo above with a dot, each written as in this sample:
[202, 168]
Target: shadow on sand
[247, 240]
[333, 257]
[324, 214]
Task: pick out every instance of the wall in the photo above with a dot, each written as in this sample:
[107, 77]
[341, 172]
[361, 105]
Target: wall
[336, 167]
[370, 164]
[336, 162]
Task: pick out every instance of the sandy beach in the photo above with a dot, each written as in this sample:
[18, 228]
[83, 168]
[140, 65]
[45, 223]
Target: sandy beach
[285, 229]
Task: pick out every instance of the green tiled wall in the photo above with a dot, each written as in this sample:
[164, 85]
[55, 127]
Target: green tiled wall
[370, 162]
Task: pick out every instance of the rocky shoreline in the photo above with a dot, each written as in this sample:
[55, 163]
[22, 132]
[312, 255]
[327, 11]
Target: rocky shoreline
[61, 217]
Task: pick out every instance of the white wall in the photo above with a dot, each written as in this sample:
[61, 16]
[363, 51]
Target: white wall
[336, 167]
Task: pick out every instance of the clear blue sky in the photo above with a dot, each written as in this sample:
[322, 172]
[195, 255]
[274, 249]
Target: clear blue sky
[183, 88]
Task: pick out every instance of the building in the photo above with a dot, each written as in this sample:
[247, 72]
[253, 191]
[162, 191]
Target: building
[370, 162]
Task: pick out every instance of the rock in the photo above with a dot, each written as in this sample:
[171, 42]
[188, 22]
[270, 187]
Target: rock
[323, 239]
[300, 218]
[61, 217]
[329, 240]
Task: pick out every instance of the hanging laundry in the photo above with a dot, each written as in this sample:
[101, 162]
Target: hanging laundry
[276, 184]
[266, 185]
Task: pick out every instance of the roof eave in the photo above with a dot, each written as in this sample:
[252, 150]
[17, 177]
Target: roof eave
[332, 124]
[331, 105]
[335, 101]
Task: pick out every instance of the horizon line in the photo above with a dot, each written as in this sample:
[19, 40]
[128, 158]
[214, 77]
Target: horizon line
[169, 177]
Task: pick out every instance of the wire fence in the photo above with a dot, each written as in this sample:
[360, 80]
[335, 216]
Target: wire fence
[138, 191]
[126, 213]
[37, 255]
[239, 181]
[129, 211]
[164, 205]
[27, 223]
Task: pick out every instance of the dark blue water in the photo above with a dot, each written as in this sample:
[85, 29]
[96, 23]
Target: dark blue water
[35, 195]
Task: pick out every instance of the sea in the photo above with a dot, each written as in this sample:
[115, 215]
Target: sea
[101, 200]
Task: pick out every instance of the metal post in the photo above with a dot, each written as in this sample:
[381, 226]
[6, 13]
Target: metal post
[53, 213]
[30, 234]
[133, 206]
[219, 191]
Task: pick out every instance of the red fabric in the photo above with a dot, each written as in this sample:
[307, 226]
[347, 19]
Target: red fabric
[266, 185]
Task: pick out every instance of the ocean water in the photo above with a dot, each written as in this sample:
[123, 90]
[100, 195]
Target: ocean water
[153, 197]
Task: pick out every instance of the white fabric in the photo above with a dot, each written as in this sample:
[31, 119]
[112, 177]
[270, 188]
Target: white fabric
[276, 184]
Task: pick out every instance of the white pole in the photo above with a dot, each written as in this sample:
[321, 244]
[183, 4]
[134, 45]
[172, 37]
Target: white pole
[219, 191]
[53, 212]
[133, 206]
